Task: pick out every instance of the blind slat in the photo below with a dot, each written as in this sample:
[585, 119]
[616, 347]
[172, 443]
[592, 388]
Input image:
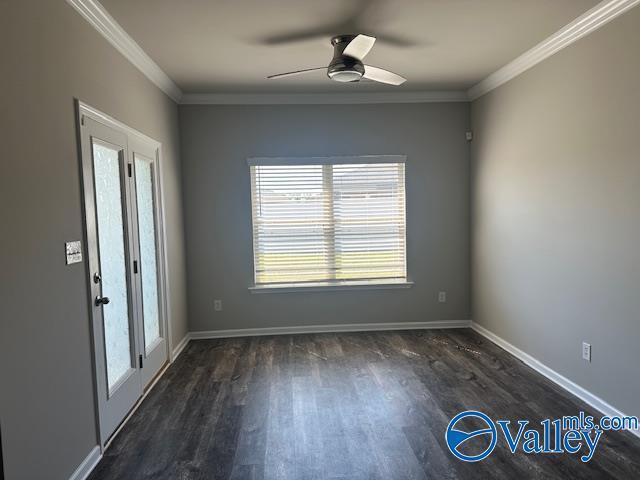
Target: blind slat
[326, 221]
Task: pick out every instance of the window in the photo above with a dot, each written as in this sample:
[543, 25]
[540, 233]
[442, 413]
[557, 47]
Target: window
[328, 221]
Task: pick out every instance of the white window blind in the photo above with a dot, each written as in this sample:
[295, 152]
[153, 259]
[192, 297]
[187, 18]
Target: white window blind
[333, 220]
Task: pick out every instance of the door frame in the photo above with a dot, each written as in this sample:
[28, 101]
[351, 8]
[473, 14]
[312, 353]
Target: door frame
[84, 110]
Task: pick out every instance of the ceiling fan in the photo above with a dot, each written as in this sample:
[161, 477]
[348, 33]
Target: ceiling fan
[347, 66]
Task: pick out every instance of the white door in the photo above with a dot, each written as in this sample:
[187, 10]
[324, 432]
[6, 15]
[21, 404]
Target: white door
[153, 338]
[125, 271]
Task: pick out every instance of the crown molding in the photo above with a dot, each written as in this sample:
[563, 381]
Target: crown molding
[94, 13]
[585, 24]
[322, 98]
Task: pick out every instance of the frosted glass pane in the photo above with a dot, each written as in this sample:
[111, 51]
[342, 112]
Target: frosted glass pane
[106, 167]
[149, 271]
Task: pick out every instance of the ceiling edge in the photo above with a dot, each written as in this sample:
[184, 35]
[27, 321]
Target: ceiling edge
[585, 24]
[94, 13]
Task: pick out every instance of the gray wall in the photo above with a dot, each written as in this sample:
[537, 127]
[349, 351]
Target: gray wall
[216, 142]
[556, 234]
[49, 56]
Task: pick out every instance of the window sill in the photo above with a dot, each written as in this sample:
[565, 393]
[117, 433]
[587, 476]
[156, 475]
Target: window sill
[330, 286]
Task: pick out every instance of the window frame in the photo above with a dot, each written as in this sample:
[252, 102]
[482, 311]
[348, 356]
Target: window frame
[324, 285]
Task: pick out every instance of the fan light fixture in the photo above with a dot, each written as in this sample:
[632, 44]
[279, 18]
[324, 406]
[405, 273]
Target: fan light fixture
[345, 76]
[346, 65]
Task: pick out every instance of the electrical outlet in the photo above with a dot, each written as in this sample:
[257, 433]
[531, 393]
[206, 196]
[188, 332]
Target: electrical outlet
[217, 305]
[442, 297]
[586, 351]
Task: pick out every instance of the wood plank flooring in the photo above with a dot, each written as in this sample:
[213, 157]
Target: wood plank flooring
[346, 406]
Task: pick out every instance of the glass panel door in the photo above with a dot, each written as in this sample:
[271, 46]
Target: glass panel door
[124, 251]
[111, 244]
[110, 249]
[148, 252]
[146, 233]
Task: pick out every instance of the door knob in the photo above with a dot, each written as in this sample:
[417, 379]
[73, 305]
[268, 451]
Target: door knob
[102, 301]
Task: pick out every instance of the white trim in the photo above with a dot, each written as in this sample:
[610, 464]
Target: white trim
[94, 13]
[322, 98]
[354, 327]
[87, 465]
[164, 269]
[175, 353]
[330, 286]
[98, 116]
[570, 386]
[338, 160]
[585, 24]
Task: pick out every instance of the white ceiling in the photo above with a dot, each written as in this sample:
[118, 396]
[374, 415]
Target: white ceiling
[230, 46]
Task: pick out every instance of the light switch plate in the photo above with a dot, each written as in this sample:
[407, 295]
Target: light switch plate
[73, 252]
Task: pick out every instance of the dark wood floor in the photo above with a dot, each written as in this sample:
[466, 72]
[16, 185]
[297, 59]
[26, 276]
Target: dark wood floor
[348, 406]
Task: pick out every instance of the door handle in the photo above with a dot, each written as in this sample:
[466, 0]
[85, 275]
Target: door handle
[102, 301]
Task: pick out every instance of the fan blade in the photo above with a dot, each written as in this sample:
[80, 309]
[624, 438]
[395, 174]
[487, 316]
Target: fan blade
[396, 40]
[297, 72]
[351, 15]
[359, 47]
[297, 36]
[382, 76]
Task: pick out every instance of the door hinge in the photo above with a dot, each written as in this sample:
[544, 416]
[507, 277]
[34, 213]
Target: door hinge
[135, 266]
[129, 169]
[140, 359]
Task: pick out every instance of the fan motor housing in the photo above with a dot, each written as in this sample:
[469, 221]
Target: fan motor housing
[342, 67]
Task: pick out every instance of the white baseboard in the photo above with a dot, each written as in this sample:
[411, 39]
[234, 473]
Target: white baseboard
[90, 462]
[180, 347]
[87, 465]
[570, 386]
[92, 459]
[354, 327]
